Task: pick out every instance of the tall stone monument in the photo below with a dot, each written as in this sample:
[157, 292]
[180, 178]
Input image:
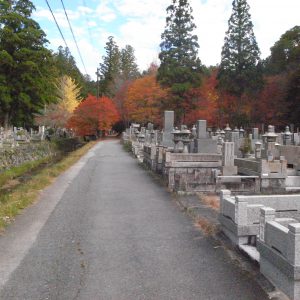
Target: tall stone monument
[167, 138]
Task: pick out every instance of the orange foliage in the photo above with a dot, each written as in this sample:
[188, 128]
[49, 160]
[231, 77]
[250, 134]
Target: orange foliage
[143, 100]
[203, 103]
[93, 115]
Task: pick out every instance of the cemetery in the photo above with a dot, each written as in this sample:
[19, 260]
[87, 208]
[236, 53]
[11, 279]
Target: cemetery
[18, 145]
[256, 175]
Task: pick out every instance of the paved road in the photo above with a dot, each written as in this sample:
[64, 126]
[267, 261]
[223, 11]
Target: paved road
[115, 235]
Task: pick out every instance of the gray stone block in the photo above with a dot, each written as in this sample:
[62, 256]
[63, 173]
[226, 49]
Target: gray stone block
[206, 145]
[201, 129]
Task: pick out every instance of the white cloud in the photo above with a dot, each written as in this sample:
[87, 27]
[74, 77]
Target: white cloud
[105, 12]
[59, 14]
[272, 19]
[92, 23]
[142, 8]
[84, 10]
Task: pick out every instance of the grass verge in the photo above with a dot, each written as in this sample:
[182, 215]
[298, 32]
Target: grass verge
[13, 202]
[20, 170]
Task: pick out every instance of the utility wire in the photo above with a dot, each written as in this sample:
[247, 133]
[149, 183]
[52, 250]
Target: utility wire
[62, 2]
[57, 24]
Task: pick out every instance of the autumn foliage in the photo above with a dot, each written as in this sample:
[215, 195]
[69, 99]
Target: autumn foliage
[144, 100]
[93, 115]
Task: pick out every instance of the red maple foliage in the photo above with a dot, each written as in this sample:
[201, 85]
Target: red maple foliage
[92, 116]
[271, 105]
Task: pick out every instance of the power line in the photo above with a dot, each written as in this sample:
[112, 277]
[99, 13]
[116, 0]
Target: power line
[57, 24]
[62, 2]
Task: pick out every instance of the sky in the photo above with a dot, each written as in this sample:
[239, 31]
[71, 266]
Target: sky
[139, 23]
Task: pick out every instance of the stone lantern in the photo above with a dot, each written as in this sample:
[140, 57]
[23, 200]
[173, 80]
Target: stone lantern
[242, 132]
[223, 134]
[270, 139]
[176, 139]
[186, 139]
[287, 136]
[227, 133]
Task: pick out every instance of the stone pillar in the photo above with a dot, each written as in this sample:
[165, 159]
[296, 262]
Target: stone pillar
[150, 126]
[267, 214]
[258, 149]
[228, 159]
[168, 128]
[201, 129]
[241, 211]
[255, 133]
[223, 194]
[293, 247]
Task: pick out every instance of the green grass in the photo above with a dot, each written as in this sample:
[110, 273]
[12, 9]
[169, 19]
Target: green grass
[12, 203]
[22, 169]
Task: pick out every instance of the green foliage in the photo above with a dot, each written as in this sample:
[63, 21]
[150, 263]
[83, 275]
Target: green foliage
[27, 72]
[240, 69]
[118, 67]
[109, 68]
[246, 146]
[180, 68]
[65, 145]
[285, 54]
[128, 67]
[66, 66]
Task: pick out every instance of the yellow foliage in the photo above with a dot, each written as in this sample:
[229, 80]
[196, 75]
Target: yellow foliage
[69, 94]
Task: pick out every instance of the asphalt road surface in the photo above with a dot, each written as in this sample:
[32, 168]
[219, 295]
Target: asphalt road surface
[106, 230]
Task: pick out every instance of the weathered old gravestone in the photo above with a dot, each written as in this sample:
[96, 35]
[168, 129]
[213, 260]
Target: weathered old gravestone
[204, 144]
[228, 168]
[255, 133]
[168, 128]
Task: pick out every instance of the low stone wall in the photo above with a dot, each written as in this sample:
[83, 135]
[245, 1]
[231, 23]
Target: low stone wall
[191, 172]
[279, 248]
[291, 154]
[13, 157]
[240, 215]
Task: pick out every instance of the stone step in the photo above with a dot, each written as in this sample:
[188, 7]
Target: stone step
[251, 251]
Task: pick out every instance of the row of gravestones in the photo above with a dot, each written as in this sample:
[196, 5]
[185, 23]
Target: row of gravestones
[205, 140]
[12, 137]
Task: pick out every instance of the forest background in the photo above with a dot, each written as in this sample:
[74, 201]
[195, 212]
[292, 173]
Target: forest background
[42, 87]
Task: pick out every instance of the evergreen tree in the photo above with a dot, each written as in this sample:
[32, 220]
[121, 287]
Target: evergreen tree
[66, 65]
[128, 67]
[285, 54]
[240, 69]
[110, 68]
[26, 66]
[180, 68]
